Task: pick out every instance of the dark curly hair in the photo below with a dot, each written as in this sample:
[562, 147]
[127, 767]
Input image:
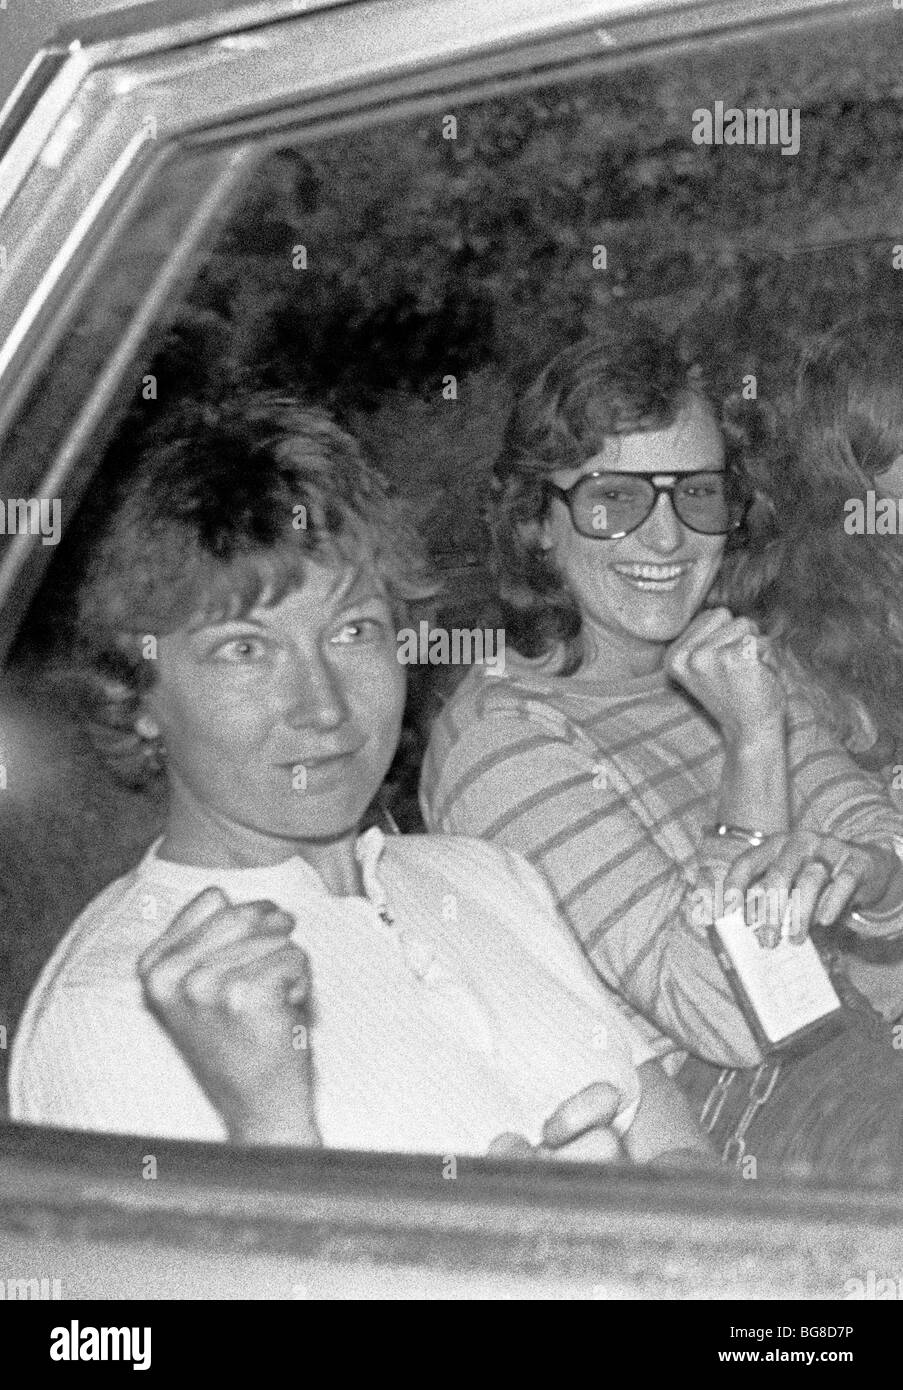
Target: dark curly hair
[831, 599]
[629, 380]
[225, 509]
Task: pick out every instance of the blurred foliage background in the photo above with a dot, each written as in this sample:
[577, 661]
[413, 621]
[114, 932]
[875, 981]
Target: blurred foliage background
[428, 257]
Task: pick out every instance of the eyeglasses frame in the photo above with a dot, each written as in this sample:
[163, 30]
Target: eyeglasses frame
[565, 495]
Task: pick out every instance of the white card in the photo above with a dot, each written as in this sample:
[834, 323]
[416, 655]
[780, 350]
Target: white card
[787, 985]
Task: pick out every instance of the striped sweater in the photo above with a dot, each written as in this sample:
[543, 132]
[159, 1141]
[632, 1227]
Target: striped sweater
[609, 793]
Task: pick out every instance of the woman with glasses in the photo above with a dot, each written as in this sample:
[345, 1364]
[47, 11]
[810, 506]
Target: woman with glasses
[644, 750]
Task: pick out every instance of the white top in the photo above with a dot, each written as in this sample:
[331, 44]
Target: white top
[472, 1013]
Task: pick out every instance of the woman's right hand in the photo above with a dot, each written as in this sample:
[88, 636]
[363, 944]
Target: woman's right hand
[724, 663]
[808, 879]
[230, 987]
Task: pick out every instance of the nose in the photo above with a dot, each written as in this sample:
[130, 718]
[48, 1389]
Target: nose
[663, 530]
[314, 697]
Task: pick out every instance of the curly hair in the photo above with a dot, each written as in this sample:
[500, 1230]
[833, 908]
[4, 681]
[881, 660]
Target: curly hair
[630, 380]
[226, 508]
[830, 598]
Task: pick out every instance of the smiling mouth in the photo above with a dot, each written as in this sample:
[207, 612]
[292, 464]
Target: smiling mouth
[653, 579]
[323, 760]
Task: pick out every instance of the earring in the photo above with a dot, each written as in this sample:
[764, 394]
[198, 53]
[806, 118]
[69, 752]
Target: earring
[153, 749]
[153, 753]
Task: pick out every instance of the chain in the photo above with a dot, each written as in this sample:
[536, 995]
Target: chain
[715, 1100]
[763, 1084]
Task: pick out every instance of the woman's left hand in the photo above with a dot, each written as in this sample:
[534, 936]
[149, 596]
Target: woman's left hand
[580, 1129]
[811, 880]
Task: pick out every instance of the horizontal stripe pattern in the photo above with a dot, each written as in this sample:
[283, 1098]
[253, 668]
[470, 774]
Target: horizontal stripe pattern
[610, 794]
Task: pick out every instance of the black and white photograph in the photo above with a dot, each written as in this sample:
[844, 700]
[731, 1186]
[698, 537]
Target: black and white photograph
[451, 663]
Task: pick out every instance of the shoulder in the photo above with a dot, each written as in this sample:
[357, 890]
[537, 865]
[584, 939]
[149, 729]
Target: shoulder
[103, 915]
[439, 855]
[488, 715]
[469, 866]
[500, 740]
[98, 950]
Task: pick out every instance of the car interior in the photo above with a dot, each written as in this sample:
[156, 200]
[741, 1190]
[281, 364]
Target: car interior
[407, 275]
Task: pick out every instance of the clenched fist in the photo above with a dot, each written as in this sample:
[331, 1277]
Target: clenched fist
[725, 664]
[230, 989]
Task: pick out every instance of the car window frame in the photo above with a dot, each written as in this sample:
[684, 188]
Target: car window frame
[560, 1218]
[621, 1231]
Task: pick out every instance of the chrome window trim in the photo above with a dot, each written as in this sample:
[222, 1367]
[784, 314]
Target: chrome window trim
[174, 84]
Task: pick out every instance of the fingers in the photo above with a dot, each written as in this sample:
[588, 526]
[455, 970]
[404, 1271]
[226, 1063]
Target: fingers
[861, 877]
[719, 652]
[185, 924]
[749, 866]
[790, 890]
[839, 893]
[781, 890]
[803, 900]
[591, 1108]
[766, 655]
[208, 924]
[598, 1145]
[250, 974]
[730, 633]
[882, 865]
[708, 621]
[282, 974]
[715, 627]
[510, 1146]
[190, 964]
[802, 880]
[776, 860]
[729, 643]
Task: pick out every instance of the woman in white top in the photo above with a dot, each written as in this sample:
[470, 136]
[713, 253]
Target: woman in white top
[266, 973]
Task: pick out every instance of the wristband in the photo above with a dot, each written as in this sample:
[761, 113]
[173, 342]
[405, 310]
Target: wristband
[739, 832]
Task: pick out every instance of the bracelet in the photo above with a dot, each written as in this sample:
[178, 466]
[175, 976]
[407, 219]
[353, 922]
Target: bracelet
[739, 832]
[868, 929]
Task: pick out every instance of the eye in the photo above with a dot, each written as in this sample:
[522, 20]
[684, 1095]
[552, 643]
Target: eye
[704, 487]
[357, 630]
[613, 493]
[240, 651]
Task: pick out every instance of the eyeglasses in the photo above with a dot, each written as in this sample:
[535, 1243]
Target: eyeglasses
[607, 506]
